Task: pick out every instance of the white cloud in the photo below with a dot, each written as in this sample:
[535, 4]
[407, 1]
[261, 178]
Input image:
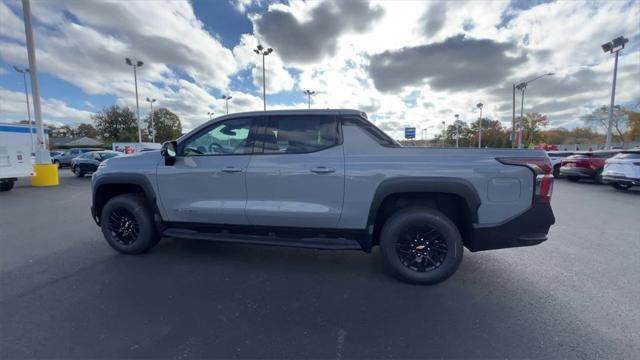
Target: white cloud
[13, 104]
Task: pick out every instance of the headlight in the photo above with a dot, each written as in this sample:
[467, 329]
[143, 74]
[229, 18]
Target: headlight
[102, 165]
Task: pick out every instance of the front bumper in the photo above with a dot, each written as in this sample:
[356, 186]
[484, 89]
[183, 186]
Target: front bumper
[620, 179]
[583, 173]
[526, 229]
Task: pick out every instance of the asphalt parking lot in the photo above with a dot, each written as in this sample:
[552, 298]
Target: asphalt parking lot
[65, 293]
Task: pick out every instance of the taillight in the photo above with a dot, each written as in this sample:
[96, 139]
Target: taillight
[542, 169]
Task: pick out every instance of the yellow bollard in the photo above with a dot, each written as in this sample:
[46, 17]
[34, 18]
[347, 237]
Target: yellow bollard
[45, 175]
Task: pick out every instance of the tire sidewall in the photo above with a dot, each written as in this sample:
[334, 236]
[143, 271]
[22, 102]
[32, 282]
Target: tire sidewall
[395, 226]
[76, 170]
[147, 235]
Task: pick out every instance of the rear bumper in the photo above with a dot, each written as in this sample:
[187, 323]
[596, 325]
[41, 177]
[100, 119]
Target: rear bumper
[526, 229]
[577, 172]
[620, 179]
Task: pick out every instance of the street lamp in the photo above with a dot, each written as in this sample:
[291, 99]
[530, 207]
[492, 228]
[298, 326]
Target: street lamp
[153, 129]
[457, 129]
[309, 93]
[444, 132]
[226, 99]
[24, 72]
[210, 113]
[136, 64]
[479, 106]
[260, 50]
[522, 87]
[613, 46]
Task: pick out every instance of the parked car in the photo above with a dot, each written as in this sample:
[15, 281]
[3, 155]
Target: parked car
[326, 179]
[556, 158]
[54, 153]
[586, 165]
[623, 170]
[65, 158]
[89, 162]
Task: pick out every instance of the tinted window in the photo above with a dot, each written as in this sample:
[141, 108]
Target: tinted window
[105, 156]
[375, 133]
[224, 138]
[300, 134]
[74, 152]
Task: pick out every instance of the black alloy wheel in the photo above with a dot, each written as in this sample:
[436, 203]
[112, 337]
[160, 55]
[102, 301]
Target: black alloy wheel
[421, 248]
[123, 226]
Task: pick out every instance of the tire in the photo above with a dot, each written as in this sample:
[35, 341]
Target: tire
[556, 171]
[139, 235]
[621, 187]
[598, 177]
[421, 230]
[77, 172]
[573, 178]
[6, 185]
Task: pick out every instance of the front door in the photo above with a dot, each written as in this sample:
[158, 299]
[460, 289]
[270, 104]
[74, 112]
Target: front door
[298, 180]
[207, 182]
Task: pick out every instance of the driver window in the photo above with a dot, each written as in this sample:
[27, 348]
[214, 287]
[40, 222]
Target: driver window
[225, 138]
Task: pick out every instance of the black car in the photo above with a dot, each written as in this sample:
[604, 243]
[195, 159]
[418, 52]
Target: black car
[89, 162]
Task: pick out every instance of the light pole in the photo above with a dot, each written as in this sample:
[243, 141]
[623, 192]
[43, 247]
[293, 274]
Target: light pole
[613, 46]
[226, 99]
[457, 129]
[210, 113]
[153, 129]
[24, 72]
[479, 106]
[136, 64]
[309, 93]
[444, 132]
[260, 50]
[42, 155]
[522, 87]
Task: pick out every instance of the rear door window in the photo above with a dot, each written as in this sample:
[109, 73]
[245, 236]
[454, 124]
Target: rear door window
[299, 134]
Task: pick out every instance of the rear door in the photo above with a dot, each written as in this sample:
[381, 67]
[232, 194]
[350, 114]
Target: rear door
[207, 182]
[298, 179]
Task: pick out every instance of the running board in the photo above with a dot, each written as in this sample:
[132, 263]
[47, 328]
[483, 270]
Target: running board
[310, 243]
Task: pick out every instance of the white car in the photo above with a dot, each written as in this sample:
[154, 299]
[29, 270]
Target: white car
[556, 158]
[623, 170]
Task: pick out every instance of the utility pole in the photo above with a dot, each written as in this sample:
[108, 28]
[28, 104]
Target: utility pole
[136, 65]
[24, 72]
[260, 50]
[513, 119]
[153, 129]
[210, 113]
[309, 93]
[479, 106]
[42, 155]
[522, 87]
[613, 46]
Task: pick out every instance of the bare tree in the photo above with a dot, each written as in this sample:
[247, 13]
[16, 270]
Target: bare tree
[600, 117]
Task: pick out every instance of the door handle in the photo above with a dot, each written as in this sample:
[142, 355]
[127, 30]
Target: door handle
[231, 169]
[322, 170]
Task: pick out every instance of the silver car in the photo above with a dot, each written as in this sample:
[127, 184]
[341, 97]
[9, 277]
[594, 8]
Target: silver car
[623, 170]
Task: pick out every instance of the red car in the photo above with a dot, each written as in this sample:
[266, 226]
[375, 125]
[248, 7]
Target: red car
[586, 165]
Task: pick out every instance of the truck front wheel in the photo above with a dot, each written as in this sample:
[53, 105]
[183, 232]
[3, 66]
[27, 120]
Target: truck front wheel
[127, 224]
[6, 184]
[421, 245]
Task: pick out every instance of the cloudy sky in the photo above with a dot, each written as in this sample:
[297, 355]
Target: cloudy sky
[406, 63]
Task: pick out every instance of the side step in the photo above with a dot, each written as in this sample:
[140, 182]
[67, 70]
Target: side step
[310, 243]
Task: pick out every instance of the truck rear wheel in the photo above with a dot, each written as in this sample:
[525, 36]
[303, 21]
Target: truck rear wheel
[127, 224]
[6, 185]
[421, 245]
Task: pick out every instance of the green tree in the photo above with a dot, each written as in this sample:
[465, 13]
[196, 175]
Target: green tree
[531, 124]
[167, 125]
[87, 130]
[116, 123]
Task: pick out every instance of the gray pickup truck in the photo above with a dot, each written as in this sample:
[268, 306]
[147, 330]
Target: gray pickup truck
[325, 179]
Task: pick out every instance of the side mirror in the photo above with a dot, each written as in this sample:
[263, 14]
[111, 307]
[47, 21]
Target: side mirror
[169, 151]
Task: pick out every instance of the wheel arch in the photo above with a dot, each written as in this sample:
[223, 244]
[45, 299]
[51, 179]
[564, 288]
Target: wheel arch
[457, 198]
[108, 186]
